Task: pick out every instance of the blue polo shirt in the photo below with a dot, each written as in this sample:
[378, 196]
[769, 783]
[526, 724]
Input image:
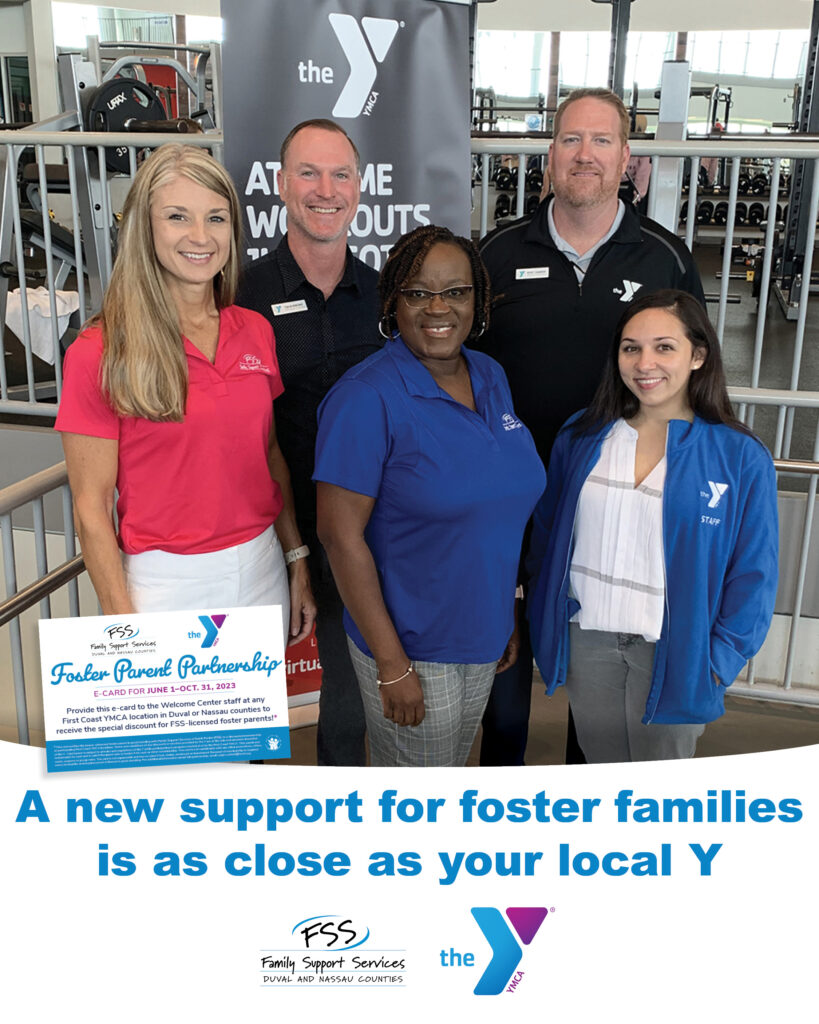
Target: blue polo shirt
[453, 492]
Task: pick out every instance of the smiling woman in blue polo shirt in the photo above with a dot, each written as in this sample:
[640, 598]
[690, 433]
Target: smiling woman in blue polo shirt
[426, 479]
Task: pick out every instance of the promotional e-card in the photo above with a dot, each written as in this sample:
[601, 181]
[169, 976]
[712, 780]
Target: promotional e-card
[164, 688]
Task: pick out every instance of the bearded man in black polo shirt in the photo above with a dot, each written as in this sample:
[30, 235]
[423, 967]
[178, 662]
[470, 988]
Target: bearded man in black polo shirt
[323, 304]
[560, 282]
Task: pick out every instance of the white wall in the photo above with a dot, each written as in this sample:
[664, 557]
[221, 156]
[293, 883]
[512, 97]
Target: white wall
[207, 8]
[767, 101]
[646, 15]
[12, 30]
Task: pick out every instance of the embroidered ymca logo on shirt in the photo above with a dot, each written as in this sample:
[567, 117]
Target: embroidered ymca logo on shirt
[251, 363]
[509, 422]
[714, 496]
[717, 491]
[628, 291]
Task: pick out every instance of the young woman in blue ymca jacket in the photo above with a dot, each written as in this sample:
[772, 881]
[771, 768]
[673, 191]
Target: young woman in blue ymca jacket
[654, 550]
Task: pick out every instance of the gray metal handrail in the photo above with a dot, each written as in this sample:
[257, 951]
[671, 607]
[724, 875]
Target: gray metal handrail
[108, 140]
[40, 589]
[31, 491]
[32, 487]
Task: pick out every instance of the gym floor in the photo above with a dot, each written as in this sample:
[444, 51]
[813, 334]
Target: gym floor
[748, 726]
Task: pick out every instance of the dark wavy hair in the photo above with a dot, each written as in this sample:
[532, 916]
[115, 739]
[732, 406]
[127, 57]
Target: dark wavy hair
[405, 260]
[707, 393]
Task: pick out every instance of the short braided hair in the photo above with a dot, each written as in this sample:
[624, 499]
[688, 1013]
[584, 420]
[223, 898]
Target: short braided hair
[405, 260]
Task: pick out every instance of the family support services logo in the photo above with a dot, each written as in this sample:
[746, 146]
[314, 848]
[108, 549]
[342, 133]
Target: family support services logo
[506, 950]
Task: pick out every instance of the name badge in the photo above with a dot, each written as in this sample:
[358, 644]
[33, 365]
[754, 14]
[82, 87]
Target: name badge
[528, 273]
[283, 308]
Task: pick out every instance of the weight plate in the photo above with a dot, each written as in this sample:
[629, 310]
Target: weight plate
[112, 105]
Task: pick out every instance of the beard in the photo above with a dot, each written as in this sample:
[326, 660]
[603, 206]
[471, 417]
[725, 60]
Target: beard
[585, 193]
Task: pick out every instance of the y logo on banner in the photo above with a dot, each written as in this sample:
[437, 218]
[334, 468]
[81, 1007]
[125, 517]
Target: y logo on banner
[212, 624]
[380, 33]
[506, 951]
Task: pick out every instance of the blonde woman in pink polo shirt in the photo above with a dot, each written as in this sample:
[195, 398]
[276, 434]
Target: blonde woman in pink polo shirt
[168, 400]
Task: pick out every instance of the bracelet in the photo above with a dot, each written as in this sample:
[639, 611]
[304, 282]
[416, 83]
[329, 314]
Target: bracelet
[389, 682]
[294, 554]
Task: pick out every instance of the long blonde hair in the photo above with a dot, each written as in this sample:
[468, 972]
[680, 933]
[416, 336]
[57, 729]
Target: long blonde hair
[144, 371]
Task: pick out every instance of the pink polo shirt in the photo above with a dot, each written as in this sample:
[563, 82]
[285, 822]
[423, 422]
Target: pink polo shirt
[203, 484]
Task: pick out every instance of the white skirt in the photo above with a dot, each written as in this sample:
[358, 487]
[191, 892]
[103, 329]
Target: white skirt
[248, 574]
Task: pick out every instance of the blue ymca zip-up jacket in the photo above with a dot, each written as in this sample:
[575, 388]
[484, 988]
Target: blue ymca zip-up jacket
[720, 538]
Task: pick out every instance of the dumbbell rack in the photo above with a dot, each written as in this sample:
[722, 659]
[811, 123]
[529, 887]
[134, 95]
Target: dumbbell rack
[503, 193]
[751, 212]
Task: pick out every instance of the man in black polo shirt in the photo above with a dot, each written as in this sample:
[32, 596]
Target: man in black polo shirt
[560, 282]
[323, 305]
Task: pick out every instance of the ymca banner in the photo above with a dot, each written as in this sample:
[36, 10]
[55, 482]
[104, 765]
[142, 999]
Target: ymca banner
[393, 73]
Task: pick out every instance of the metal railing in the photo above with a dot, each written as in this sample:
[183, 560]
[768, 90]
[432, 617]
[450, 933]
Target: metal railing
[82, 248]
[669, 178]
[91, 276]
[32, 491]
[789, 401]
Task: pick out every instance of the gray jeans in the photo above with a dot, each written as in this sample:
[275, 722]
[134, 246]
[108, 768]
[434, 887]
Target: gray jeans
[608, 684]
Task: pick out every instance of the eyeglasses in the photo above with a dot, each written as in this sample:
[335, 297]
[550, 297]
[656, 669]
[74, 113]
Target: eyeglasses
[420, 297]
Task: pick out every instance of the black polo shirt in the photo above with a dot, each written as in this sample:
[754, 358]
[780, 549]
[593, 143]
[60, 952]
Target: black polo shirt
[552, 334]
[317, 341]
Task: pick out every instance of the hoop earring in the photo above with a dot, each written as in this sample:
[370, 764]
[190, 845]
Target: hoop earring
[481, 329]
[387, 335]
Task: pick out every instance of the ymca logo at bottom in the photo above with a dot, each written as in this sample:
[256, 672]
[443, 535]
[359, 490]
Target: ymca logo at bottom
[501, 973]
[506, 950]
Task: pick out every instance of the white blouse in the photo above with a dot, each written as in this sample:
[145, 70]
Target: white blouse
[617, 571]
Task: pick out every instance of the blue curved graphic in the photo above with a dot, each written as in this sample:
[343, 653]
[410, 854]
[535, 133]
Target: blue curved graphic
[506, 953]
[116, 628]
[315, 917]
